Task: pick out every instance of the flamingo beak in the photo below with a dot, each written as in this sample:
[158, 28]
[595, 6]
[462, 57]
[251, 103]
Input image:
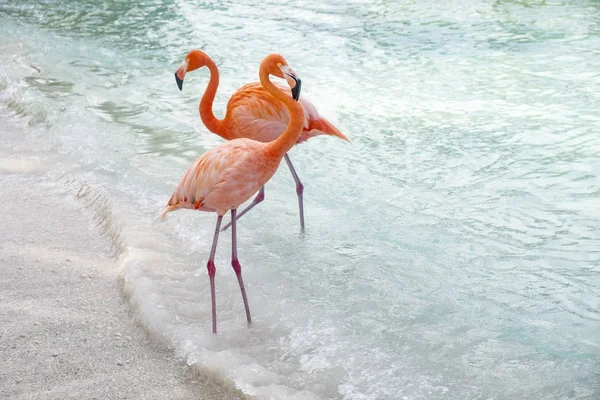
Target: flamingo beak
[179, 75]
[296, 89]
[292, 80]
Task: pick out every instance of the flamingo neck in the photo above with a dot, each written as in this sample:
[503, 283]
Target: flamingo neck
[289, 137]
[206, 104]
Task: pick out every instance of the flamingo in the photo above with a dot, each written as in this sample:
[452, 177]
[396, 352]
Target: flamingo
[225, 177]
[254, 113]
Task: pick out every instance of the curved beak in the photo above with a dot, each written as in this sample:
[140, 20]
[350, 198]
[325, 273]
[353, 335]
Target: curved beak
[292, 80]
[179, 75]
[296, 89]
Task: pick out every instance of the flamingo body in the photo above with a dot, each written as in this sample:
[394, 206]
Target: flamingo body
[254, 113]
[224, 177]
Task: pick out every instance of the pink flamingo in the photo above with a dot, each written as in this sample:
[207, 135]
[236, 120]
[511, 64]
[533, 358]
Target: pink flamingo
[255, 113]
[228, 175]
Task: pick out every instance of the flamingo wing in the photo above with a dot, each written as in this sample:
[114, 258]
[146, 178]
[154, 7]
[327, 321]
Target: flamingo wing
[221, 179]
[254, 113]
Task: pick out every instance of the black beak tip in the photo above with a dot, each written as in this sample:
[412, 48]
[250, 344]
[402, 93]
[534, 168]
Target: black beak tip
[296, 90]
[179, 82]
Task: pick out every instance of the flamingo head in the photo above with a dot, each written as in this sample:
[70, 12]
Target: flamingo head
[276, 65]
[194, 60]
[292, 79]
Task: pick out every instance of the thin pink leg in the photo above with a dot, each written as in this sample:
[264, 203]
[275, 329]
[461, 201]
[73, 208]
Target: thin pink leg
[299, 190]
[211, 273]
[259, 197]
[236, 264]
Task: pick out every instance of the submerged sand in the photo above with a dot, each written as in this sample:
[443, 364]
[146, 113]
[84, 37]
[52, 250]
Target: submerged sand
[65, 331]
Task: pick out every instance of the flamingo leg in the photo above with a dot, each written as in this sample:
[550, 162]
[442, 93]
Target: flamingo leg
[211, 273]
[299, 190]
[259, 198]
[236, 264]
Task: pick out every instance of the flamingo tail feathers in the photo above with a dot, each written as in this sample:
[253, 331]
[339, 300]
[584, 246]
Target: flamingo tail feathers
[170, 207]
[324, 127]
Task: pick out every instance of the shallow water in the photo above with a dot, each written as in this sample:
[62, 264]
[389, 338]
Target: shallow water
[452, 249]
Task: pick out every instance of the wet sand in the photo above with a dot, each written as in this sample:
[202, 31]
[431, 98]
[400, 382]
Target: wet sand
[65, 331]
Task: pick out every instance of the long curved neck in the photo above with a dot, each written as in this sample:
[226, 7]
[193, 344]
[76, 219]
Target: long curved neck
[206, 104]
[292, 132]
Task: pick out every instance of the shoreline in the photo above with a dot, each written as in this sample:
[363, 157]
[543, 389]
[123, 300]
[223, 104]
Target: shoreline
[66, 330]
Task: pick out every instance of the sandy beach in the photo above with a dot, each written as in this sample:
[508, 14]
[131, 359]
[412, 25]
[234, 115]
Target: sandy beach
[65, 331]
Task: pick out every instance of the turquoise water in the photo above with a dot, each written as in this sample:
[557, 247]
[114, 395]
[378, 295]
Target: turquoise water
[452, 249]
